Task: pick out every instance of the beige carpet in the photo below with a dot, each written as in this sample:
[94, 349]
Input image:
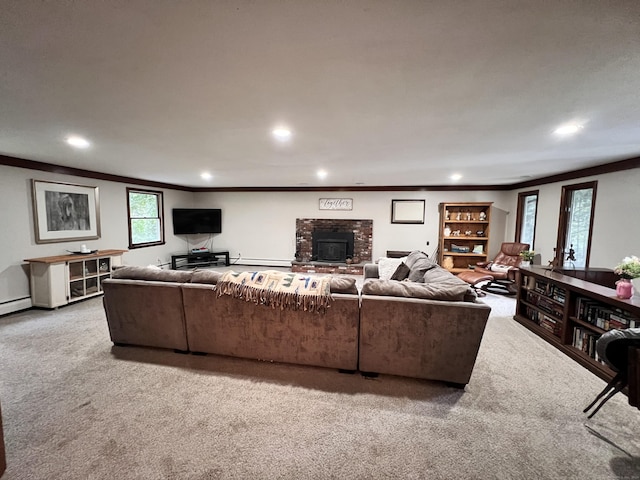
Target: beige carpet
[76, 407]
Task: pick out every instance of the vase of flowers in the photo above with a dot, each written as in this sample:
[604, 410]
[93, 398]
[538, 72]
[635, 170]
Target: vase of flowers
[629, 270]
[527, 258]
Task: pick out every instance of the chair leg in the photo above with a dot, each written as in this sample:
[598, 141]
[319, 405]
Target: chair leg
[616, 384]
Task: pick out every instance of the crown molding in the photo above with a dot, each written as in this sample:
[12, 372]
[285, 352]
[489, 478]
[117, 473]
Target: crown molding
[617, 166]
[79, 172]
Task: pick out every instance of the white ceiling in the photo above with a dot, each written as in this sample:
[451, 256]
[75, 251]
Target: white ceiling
[377, 93]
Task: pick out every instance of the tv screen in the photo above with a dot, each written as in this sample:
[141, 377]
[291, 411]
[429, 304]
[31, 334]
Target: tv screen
[188, 221]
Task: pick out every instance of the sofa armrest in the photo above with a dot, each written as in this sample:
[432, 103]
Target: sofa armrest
[371, 271]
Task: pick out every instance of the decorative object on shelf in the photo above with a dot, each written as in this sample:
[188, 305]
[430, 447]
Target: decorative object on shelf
[459, 216]
[483, 216]
[527, 258]
[480, 233]
[629, 269]
[469, 216]
[64, 212]
[447, 262]
[624, 288]
[447, 215]
[407, 211]
[447, 232]
[455, 233]
[468, 233]
[478, 249]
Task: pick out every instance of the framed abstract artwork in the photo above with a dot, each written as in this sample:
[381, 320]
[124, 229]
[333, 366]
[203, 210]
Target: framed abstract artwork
[64, 212]
[407, 211]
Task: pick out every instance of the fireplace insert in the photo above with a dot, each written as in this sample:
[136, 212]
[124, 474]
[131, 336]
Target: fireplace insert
[332, 246]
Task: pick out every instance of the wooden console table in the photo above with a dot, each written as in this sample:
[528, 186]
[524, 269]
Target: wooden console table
[63, 279]
[202, 259]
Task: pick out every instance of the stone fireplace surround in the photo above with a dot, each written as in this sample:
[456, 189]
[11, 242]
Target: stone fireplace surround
[362, 244]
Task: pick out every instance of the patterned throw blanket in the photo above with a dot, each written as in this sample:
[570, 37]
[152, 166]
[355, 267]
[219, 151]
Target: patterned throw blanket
[278, 289]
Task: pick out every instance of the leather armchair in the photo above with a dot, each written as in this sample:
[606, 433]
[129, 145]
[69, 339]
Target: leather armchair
[508, 256]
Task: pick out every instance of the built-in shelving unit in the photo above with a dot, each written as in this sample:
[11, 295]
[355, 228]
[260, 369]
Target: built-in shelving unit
[463, 238]
[572, 314]
[63, 279]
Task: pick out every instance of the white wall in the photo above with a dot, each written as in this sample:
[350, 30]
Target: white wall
[17, 239]
[261, 226]
[616, 229]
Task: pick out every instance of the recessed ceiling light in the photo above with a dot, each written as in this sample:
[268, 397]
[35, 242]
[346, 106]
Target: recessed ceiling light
[455, 177]
[78, 142]
[281, 134]
[206, 176]
[322, 174]
[568, 129]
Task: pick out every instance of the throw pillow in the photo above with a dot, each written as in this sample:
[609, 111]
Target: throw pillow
[414, 256]
[386, 266]
[420, 266]
[343, 285]
[401, 272]
[440, 274]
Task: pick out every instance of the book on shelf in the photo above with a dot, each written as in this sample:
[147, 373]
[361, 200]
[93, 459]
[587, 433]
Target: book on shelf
[550, 290]
[603, 316]
[585, 341]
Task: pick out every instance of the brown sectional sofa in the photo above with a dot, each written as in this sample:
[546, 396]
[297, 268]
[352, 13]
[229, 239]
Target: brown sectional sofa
[182, 310]
[430, 329]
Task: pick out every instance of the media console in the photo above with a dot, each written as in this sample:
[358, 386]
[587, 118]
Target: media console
[201, 259]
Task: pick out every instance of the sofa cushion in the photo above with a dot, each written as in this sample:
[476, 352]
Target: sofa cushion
[387, 266]
[439, 275]
[209, 277]
[419, 263]
[446, 291]
[146, 273]
[343, 285]
[401, 272]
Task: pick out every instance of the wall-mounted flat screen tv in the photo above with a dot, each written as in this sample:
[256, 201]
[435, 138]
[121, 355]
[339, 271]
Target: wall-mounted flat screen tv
[187, 221]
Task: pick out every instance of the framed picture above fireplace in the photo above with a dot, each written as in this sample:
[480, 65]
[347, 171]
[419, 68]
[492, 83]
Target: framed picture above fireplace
[407, 211]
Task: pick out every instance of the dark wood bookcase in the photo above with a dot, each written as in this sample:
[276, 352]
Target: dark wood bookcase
[571, 313]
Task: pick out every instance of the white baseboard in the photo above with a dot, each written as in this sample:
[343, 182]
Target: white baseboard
[261, 262]
[15, 305]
